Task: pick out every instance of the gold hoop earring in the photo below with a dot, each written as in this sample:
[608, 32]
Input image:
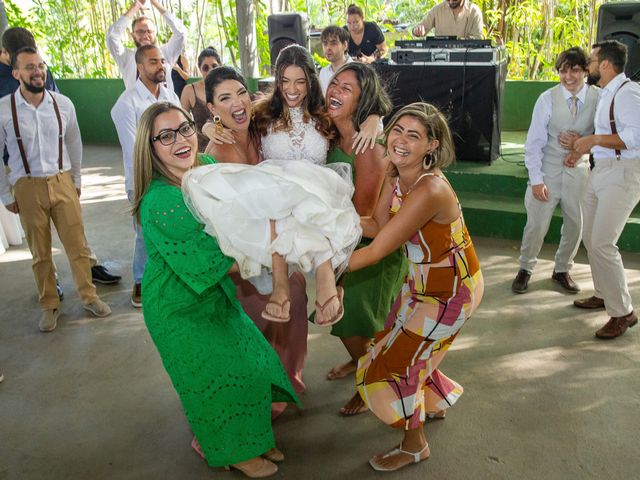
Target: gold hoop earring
[427, 161]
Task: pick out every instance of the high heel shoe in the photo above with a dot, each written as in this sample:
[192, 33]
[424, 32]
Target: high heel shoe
[257, 467]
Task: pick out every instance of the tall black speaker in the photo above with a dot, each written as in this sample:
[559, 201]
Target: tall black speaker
[285, 29]
[470, 97]
[621, 22]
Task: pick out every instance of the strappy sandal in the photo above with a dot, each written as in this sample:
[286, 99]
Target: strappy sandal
[417, 458]
[338, 316]
[276, 318]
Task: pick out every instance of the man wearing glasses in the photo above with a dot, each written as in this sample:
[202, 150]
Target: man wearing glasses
[42, 136]
[147, 89]
[143, 32]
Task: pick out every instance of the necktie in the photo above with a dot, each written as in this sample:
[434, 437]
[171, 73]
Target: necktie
[573, 108]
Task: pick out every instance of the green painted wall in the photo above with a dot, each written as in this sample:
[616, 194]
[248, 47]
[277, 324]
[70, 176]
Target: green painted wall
[519, 98]
[93, 99]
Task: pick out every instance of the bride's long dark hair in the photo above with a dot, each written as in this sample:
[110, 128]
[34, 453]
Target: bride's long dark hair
[273, 111]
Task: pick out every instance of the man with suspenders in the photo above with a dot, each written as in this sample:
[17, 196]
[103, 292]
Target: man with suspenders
[613, 189]
[42, 136]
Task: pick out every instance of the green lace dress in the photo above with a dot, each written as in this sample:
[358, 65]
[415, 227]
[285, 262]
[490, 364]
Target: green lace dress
[368, 293]
[223, 369]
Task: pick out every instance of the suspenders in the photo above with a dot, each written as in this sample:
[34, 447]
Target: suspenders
[612, 121]
[16, 128]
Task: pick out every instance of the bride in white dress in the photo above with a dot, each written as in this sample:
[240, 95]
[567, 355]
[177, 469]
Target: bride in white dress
[288, 208]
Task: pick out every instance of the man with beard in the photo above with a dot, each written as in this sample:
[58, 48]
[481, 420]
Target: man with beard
[13, 39]
[42, 136]
[553, 179]
[459, 18]
[613, 189]
[143, 32]
[148, 89]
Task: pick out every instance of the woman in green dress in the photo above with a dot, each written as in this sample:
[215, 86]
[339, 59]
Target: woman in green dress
[225, 372]
[354, 93]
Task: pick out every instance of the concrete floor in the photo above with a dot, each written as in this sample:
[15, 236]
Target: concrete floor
[543, 399]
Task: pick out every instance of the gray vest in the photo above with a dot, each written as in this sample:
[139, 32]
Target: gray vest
[560, 121]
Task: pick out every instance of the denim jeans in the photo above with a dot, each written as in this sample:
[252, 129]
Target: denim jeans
[139, 250]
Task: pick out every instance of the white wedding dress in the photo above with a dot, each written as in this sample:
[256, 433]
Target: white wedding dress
[311, 203]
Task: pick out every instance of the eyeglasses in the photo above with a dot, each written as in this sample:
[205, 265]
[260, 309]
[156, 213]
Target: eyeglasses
[169, 136]
[32, 67]
[143, 32]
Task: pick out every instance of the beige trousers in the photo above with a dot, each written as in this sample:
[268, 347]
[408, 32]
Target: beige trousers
[612, 193]
[42, 200]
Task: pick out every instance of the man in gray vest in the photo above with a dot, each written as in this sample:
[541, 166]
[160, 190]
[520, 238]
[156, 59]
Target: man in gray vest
[555, 176]
[613, 190]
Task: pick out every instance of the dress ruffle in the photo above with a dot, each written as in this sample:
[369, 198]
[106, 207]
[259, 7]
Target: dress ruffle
[315, 218]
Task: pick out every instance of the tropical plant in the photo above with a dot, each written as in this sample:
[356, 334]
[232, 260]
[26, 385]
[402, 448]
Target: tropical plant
[72, 32]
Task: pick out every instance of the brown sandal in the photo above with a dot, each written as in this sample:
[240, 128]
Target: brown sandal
[276, 318]
[338, 316]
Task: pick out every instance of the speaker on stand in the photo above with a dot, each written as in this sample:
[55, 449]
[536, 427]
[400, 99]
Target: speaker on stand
[286, 29]
[621, 22]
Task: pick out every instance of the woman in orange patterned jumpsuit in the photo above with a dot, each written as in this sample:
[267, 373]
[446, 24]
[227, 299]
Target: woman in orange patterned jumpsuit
[399, 380]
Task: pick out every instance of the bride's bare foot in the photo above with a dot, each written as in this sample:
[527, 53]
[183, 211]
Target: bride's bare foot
[354, 406]
[342, 371]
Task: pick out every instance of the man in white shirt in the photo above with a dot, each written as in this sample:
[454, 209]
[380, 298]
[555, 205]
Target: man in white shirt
[148, 89]
[335, 44]
[143, 32]
[42, 136]
[613, 189]
[458, 18]
[567, 107]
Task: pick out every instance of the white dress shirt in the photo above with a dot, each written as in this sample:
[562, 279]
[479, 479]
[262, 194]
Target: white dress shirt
[125, 57]
[326, 74]
[39, 131]
[537, 136]
[626, 114]
[127, 112]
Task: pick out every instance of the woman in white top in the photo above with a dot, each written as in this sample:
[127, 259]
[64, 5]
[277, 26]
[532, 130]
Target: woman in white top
[316, 226]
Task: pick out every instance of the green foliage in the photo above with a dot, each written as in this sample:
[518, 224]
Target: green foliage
[72, 32]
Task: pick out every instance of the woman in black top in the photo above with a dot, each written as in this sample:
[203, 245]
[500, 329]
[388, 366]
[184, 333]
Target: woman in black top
[366, 41]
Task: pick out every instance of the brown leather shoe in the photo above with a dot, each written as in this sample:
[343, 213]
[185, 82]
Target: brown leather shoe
[521, 282]
[590, 303]
[616, 326]
[565, 281]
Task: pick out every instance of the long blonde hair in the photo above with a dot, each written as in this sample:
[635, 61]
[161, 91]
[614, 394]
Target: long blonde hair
[437, 128]
[146, 164]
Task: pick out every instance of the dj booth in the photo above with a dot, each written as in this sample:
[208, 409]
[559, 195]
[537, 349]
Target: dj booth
[463, 78]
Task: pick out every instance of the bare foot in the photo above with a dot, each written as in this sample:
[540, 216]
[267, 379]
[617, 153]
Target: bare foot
[399, 457]
[354, 406]
[343, 370]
